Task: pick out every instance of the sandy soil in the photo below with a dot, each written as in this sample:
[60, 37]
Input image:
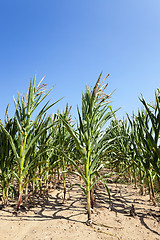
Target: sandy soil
[53, 219]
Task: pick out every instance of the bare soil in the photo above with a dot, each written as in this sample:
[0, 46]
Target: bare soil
[52, 219]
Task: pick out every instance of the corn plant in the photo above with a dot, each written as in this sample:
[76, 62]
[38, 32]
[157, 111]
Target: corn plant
[22, 144]
[145, 133]
[90, 138]
[64, 143]
[121, 153]
[153, 133]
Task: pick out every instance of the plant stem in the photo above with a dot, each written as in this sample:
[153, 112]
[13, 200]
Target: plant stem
[88, 203]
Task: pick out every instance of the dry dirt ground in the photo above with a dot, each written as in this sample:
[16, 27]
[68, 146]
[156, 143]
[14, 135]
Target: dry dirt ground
[53, 219]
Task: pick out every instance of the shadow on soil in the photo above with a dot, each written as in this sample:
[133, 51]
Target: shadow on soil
[52, 206]
[49, 208]
[122, 203]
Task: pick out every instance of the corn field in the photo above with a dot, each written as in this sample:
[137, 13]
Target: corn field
[35, 151]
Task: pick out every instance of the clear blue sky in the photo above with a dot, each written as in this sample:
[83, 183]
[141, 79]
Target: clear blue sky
[72, 41]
